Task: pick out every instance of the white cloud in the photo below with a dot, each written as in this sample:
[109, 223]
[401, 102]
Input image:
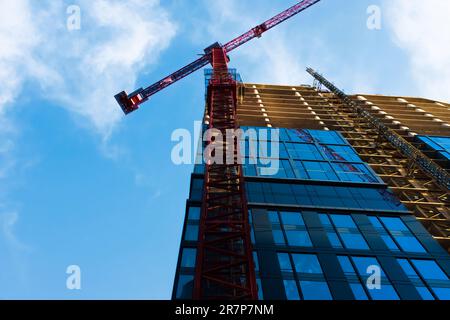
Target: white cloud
[8, 221]
[421, 29]
[274, 58]
[80, 70]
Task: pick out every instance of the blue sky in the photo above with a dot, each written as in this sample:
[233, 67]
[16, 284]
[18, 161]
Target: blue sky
[81, 184]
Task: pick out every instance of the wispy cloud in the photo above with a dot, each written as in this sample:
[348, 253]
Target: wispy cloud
[275, 58]
[8, 221]
[420, 28]
[80, 70]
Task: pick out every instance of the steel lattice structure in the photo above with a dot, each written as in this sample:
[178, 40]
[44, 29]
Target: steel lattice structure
[414, 154]
[225, 267]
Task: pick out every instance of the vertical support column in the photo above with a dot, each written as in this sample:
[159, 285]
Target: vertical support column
[224, 266]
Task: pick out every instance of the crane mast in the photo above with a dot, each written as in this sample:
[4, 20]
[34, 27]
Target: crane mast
[224, 264]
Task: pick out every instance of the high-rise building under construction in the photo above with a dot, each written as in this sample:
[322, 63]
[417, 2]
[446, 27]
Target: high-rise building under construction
[362, 184]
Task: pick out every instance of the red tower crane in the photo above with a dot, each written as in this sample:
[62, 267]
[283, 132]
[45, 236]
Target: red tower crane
[224, 267]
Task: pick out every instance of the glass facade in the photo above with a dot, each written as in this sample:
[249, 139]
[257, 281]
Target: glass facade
[438, 144]
[324, 227]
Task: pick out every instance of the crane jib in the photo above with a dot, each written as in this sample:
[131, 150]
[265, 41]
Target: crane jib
[130, 103]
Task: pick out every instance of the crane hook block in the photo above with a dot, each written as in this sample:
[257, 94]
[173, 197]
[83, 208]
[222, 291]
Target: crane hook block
[127, 104]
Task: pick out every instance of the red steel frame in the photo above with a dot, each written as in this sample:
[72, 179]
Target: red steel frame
[224, 267]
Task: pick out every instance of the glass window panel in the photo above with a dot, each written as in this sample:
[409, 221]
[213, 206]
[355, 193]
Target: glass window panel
[387, 292]
[256, 261]
[415, 279]
[188, 258]
[299, 170]
[346, 265]
[325, 220]
[343, 221]
[292, 218]
[389, 243]
[349, 233]
[302, 151]
[327, 137]
[252, 234]
[285, 262]
[383, 233]
[278, 237]
[334, 240]
[410, 244]
[341, 153]
[298, 238]
[354, 241]
[394, 224]
[191, 233]
[358, 291]
[320, 171]
[442, 293]
[362, 263]
[315, 290]
[290, 287]
[185, 287]
[249, 170]
[194, 213]
[429, 270]
[273, 217]
[425, 293]
[307, 263]
[260, 289]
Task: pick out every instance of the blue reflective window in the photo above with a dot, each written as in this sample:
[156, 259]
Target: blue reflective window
[273, 217]
[299, 170]
[191, 233]
[354, 281]
[415, 279]
[343, 221]
[185, 287]
[260, 289]
[290, 287]
[353, 172]
[331, 234]
[327, 137]
[430, 270]
[346, 265]
[188, 258]
[292, 218]
[320, 171]
[315, 290]
[394, 224]
[256, 261]
[301, 151]
[285, 262]
[298, 238]
[197, 189]
[307, 263]
[358, 291]
[387, 291]
[249, 169]
[402, 235]
[387, 239]
[340, 153]
[194, 213]
[349, 232]
[252, 234]
[278, 237]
